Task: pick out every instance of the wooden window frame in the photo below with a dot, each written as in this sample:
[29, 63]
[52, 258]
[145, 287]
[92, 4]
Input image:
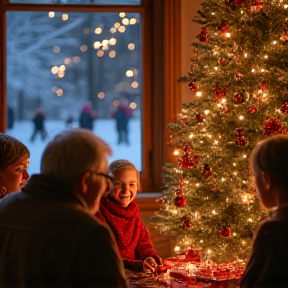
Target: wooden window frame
[161, 68]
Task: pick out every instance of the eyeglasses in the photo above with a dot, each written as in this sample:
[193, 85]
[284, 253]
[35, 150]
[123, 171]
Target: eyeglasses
[105, 175]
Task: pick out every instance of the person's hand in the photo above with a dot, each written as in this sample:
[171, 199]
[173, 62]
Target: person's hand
[149, 264]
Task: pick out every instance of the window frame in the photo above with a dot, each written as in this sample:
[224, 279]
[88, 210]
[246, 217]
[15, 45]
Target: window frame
[161, 69]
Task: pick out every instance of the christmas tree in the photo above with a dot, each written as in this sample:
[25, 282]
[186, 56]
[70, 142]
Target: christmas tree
[239, 77]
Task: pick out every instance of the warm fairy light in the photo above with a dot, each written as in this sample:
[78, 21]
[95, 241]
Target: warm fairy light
[129, 73]
[223, 100]
[209, 251]
[112, 54]
[215, 142]
[61, 74]
[134, 84]
[234, 164]
[266, 56]
[285, 6]
[100, 53]
[241, 11]
[131, 46]
[121, 29]
[65, 17]
[54, 70]
[122, 14]
[274, 42]
[206, 112]
[177, 249]
[213, 13]
[133, 105]
[250, 220]
[243, 242]
[133, 21]
[228, 35]
[262, 70]
[105, 47]
[176, 152]
[219, 105]
[125, 21]
[227, 199]
[245, 55]
[59, 92]
[210, 136]
[117, 25]
[244, 156]
[76, 59]
[241, 117]
[97, 45]
[264, 95]
[235, 173]
[253, 70]
[213, 212]
[113, 30]
[201, 241]
[116, 103]
[191, 136]
[197, 185]
[174, 212]
[62, 68]
[101, 95]
[98, 30]
[198, 94]
[222, 179]
[112, 41]
[215, 68]
[83, 48]
[105, 42]
[244, 198]
[234, 234]
[67, 61]
[51, 14]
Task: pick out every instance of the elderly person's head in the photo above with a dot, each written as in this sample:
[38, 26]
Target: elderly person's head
[79, 158]
[14, 161]
[269, 164]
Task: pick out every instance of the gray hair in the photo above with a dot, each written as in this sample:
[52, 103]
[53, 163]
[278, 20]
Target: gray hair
[72, 153]
[271, 156]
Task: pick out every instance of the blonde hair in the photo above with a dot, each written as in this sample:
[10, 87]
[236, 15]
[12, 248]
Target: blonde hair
[72, 153]
[120, 165]
[271, 156]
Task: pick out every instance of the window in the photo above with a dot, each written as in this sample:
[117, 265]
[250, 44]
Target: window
[146, 74]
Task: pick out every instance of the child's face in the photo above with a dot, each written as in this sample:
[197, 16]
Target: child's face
[125, 187]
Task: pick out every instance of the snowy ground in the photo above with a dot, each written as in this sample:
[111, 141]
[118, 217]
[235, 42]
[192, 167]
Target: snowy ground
[105, 129]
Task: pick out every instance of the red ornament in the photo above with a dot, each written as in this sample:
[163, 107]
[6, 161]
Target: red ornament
[240, 131]
[273, 127]
[180, 201]
[257, 4]
[192, 87]
[203, 35]
[241, 141]
[225, 232]
[252, 109]
[187, 223]
[284, 108]
[192, 255]
[223, 28]
[188, 162]
[219, 93]
[199, 118]
[263, 85]
[237, 2]
[238, 76]
[284, 35]
[238, 98]
[206, 169]
[222, 61]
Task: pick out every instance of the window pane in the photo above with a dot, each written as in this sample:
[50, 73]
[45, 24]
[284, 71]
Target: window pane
[90, 2]
[60, 64]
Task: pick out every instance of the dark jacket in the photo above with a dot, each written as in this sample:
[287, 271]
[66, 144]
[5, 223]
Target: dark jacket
[268, 264]
[49, 239]
[130, 233]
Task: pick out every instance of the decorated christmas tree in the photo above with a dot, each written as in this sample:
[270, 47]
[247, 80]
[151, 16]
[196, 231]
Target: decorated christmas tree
[239, 80]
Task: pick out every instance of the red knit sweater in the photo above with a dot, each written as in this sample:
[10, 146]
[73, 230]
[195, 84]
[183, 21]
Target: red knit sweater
[133, 240]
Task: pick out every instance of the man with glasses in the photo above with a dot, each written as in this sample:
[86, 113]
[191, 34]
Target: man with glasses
[49, 236]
